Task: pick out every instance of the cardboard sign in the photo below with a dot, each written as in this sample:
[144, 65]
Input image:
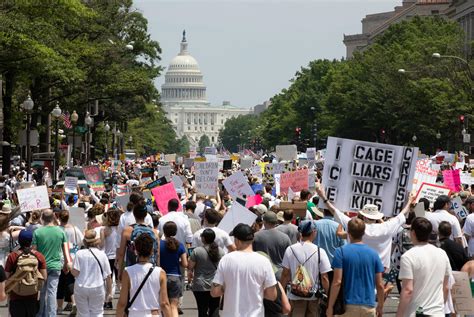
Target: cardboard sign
[237, 185]
[77, 217]
[237, 214]
[170, 157]
[357, 173]
[276, 168]
[297, 180]
[431, 192]
[206, 177]
[94, 177]
[163, 194]
[246, 163]
[286, 152]
[164, 171]
[461, 294]
[459, 210]
[298, 207]
[70, 185]
[34, 198]
[227, 165]
[424, 174]
[452, 180]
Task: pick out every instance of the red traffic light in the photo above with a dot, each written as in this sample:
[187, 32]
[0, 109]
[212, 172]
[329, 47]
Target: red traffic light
[461, 119]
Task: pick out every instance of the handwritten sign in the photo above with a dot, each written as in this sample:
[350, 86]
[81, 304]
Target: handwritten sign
[163, 194]
[237, 214]
[210, 150]
[431, 192]
[311, 154]
[70, 185]
[207, 174]
[462, 294]
[256, 171]
[297, 180]
[94, 177]
[458, 208]
[466, 178]
[237, 185]
[286, 152]
[424, 174]
[34, 198]
[452, 180]
[276, 168]
[357, 173]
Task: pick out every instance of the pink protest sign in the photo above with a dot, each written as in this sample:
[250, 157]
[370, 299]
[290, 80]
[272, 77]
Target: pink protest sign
[253, 201]
[163, 194]
[297, 180]
[452, 180]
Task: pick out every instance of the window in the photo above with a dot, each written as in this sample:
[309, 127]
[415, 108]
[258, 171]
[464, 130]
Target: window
[212, 139]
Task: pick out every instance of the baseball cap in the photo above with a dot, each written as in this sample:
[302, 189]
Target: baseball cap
[242, 232]
[306, 227]
[270, 217]
[25, 237]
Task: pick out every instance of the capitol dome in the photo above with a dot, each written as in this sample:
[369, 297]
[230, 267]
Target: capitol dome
[183, 79]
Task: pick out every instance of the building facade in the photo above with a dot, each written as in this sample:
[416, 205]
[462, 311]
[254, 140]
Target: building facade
[462, 11]
[183, 97]
[375, 24]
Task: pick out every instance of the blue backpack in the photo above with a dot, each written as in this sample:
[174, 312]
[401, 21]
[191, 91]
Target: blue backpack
[131, 256]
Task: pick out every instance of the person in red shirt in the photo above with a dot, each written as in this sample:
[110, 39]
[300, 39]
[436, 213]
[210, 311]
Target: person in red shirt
[27, 306]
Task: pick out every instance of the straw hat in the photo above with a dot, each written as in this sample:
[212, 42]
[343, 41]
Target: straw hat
[91, 237]
[371, 211]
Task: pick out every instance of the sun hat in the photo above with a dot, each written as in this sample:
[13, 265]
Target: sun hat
[6, 209]
[280, 216]
[371, 211]
[317, 212]
[91, 237]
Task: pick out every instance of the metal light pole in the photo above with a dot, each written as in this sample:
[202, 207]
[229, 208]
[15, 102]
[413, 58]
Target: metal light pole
[315, 127]
[74, 119]
[114, 130]
[88, 122]
[130, 140]
[56, 113]
[119, 143]
[438, 137]
[28, 106]
[106, 129]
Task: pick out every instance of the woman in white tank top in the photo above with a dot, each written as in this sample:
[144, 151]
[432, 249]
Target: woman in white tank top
[152, 299]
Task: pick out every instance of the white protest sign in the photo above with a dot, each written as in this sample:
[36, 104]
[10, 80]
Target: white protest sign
[77, 218]
[210, 150]
[164, 171]
[237, 185]
[311, 154]
[459, 210]
[276, 177]
[70, 185]
[246, 163]
[33, 198]
[424, 174]
[358, 173]
[431, 192]
[170, 157]
[466, 178]
[462, 294]
[459, 165]
[291, 194]
[311, 180]
[237, 214]
[286, 152]
[177, 181]
[276, 168]
[122, 201]
[256, 171]
[188, 162]
[206, 177]
[211, 158]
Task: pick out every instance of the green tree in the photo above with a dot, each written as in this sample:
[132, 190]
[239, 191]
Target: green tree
[203, 143]
[238, 131]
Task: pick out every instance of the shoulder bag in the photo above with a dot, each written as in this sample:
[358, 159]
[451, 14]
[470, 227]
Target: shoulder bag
[130, 302]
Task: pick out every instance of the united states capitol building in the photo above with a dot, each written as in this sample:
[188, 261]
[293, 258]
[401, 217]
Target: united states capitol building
[183, 97]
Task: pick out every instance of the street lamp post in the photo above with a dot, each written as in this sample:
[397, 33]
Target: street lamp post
[106, 129]
[88, 122]
[74, 118]
[462, 60]
[315, 127]
[130, 140]
[119, 135]
[114, 131]
[28, 106]
[56, 113]
[438, 137]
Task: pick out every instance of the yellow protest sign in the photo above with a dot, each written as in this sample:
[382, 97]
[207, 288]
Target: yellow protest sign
[200, 159]
[262, 166]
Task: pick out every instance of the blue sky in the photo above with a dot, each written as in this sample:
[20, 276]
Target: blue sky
[248, 50]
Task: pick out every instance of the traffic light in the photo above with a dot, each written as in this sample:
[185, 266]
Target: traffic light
[461, 119]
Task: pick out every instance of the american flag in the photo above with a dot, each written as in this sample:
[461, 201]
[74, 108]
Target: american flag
[66, 119]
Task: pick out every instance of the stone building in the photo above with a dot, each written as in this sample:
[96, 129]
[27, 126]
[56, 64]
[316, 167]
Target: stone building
[375, 24]
[183, 96]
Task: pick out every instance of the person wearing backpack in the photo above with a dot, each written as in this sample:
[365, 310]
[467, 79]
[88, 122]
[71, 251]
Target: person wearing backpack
[126, 252]
[23, 301]
[304, 264]
[92, 270]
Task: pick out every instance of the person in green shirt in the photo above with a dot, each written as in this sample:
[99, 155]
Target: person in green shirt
[52, 242]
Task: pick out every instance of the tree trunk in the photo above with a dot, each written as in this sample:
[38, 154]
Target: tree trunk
[7, 121]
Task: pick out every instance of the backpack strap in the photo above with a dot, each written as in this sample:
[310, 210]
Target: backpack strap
[317, 251]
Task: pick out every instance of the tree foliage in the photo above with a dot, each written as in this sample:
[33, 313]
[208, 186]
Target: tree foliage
[237, 131]
[203, 142]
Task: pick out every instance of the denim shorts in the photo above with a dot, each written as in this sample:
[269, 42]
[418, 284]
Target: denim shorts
[175, 286]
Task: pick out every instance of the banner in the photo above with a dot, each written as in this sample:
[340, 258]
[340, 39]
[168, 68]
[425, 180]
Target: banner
[94, 177]
[286, 152]
[206, 177]
[424, 174]
[34, 198]
[431, 192]
[357, 173]
[452, 180]
[163, 194]
[297, 180]
[70, 185]
[237, 214]
[237, 185]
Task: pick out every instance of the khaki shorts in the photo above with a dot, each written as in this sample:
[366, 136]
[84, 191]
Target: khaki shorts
[359, 311]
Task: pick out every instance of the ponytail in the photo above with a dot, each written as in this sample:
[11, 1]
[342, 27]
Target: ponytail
[172, 244]
[214, 252]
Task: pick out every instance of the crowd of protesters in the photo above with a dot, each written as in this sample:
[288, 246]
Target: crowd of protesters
[321, 261]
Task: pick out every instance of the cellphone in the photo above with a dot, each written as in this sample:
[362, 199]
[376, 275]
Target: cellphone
[190, 251]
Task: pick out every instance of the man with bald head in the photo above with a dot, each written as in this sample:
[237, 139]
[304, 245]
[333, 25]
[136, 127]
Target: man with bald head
[52, 242]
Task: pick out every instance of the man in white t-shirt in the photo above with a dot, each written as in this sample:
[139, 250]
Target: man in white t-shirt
[245, 277]
[223, 240]
[184, 234]
[424, 271]
[468, 228]
[200, 206]
[441, 213]
[378, 236]
[315, 260]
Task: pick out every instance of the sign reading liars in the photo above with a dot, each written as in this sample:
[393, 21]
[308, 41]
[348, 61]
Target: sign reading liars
[358, 173]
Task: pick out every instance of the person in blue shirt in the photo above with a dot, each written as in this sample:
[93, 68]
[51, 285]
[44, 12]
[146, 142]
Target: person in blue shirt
[326, 237]
[358, 269]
